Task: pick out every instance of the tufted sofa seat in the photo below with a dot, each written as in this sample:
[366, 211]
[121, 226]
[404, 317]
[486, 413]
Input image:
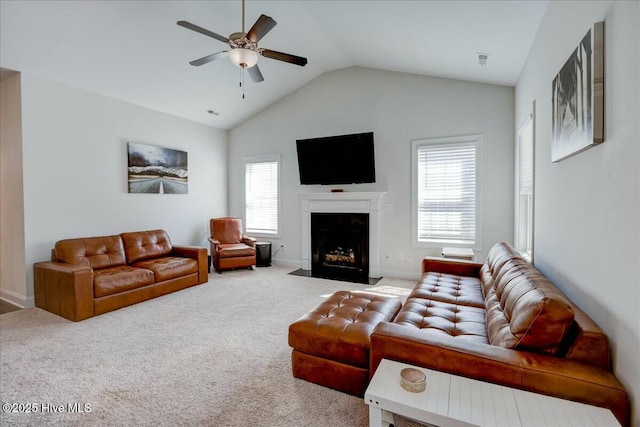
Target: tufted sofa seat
[505, 323]
[94, 275]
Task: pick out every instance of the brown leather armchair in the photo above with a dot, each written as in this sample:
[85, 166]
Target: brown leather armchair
[230, 248]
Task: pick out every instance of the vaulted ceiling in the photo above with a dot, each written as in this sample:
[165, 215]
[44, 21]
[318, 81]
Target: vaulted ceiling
[134, 51]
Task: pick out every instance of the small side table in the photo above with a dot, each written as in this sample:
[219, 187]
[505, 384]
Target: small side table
[263, 254]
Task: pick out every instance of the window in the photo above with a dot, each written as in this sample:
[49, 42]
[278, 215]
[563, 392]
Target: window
[524, 189]
[445, 196]
[261, 194]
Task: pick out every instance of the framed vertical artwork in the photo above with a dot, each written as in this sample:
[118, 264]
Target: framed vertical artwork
[578, 98]
[157, 170]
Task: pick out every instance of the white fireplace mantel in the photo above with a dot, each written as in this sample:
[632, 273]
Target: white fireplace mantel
[355, 202]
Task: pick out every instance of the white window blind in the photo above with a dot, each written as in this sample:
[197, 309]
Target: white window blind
[526, 159]
[524, 185]
[261, 196]
[446, 193]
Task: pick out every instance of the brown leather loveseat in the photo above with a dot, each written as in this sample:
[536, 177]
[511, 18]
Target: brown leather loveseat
[91, 276]
[505, 323]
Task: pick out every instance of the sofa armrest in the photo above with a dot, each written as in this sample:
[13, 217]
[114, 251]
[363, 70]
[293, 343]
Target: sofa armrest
[451, 266]
[199, 254]
[64, 289]
[539, 373]
[251, 241]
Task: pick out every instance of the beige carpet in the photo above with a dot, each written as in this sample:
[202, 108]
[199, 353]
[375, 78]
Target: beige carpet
[211, 355]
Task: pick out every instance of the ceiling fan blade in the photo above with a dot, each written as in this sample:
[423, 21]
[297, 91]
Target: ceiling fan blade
[209, 58]
[201, 30]
[263, 25]
[293, 59]
[255, 74]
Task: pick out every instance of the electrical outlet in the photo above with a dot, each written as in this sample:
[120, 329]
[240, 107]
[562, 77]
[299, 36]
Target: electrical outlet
[401, 256]
[408, 257]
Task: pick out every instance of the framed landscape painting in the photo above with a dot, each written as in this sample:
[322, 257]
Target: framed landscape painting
[578, 98]
[157, 170]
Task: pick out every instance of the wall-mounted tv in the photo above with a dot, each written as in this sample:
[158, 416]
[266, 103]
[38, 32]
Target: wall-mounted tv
[343, 159]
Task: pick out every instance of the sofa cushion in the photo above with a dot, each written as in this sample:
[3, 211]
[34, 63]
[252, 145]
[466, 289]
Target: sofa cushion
[449, 288]
[227, 250]
[339, 328]
[113, 280]
[143, 245]
[444, 319]
[166, 268]
[499, 255]
[525, 310]
[95, 252]
[226, 230]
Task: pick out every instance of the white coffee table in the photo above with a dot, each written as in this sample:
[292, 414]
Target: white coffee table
[454, 401]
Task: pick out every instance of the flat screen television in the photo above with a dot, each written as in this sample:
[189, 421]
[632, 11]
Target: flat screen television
[343, 159]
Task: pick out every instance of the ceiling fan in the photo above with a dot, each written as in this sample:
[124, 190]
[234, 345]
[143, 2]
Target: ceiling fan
[244, 50]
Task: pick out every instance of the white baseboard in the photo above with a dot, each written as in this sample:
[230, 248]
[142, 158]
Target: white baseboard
[287, 262]
[16, 299]
[400, 274]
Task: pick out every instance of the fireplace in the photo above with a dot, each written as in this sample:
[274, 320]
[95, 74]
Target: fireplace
[340, 246]
[368, 202]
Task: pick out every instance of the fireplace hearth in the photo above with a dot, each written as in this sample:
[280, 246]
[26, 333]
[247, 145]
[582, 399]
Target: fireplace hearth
[340, 246]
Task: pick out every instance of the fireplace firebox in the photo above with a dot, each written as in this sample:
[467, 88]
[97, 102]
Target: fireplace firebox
[340, 246]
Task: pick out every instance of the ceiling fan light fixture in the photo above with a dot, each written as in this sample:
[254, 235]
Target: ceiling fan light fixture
[243, 58]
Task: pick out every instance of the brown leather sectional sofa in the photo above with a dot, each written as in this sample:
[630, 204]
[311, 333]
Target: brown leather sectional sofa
[91, 276]
[505, 323]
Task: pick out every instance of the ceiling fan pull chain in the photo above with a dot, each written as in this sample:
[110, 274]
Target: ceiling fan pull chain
[242, 80]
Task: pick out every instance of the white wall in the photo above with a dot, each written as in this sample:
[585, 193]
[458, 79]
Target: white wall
[398, 108]
[587, 215]
[75, 170]
[12, 270]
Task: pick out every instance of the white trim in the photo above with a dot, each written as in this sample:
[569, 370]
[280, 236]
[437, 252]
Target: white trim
[17, 299]
[348, 202]
[287, 262]
[475, 139]
[401, 274]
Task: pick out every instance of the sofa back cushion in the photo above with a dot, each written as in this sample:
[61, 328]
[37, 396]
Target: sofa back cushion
[95, 252]
[143, 245]
[499, 255]
[226, 229]
[524, 309]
